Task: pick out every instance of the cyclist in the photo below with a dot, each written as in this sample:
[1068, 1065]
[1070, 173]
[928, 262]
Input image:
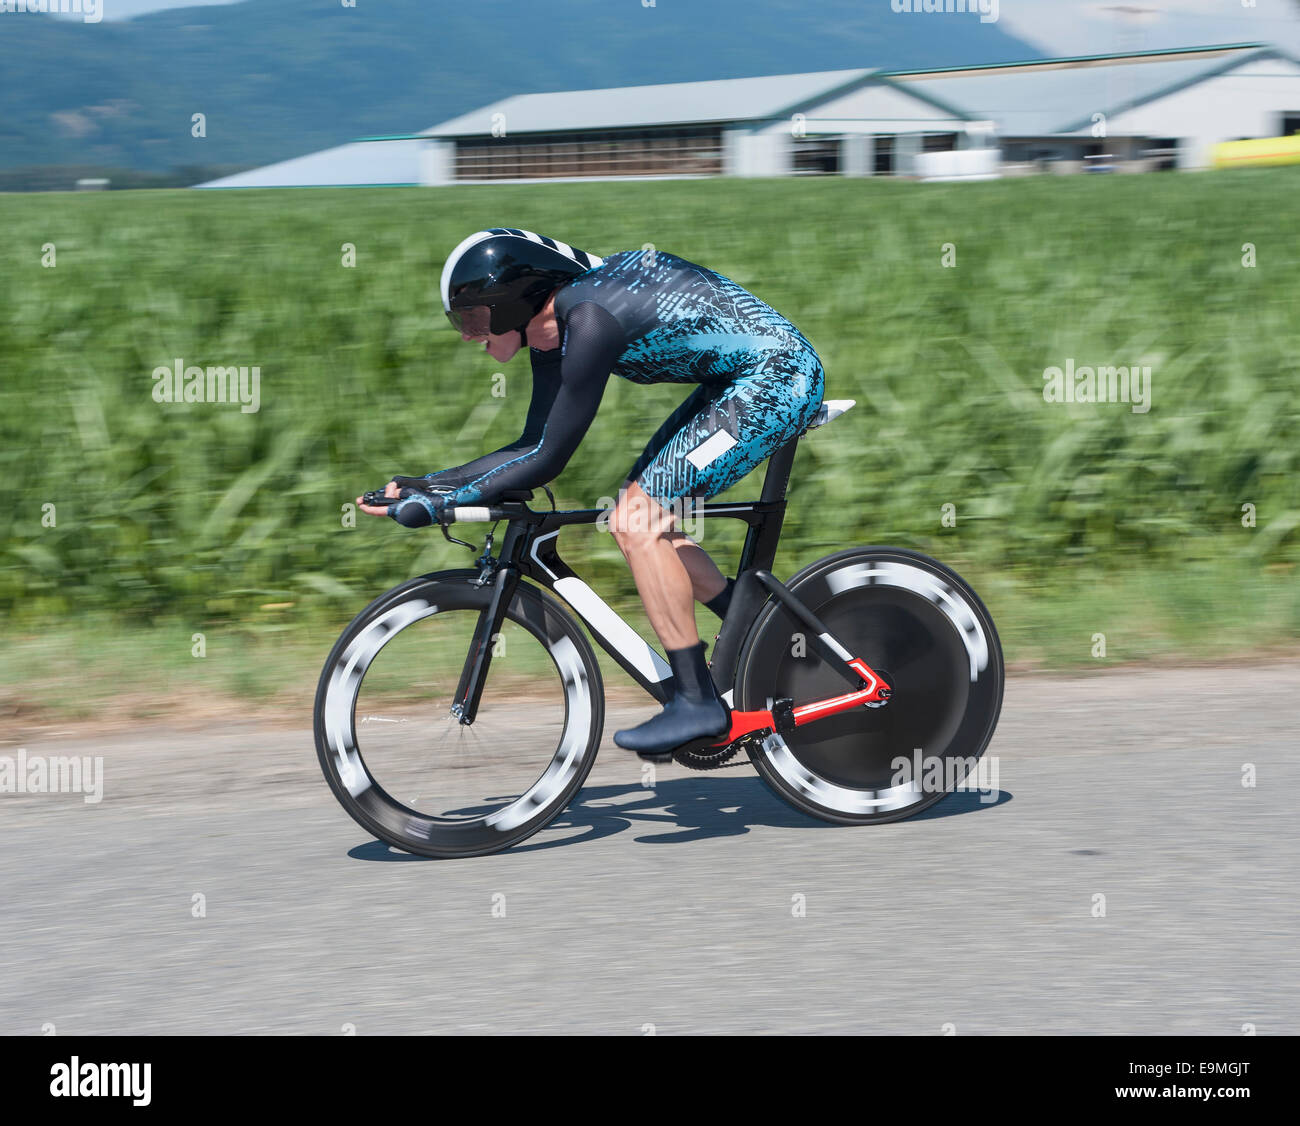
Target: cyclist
[649, 317]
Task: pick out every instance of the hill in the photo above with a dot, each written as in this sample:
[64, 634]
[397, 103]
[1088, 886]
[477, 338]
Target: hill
[279, 78]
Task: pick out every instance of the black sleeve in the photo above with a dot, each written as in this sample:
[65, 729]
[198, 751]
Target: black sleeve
[577, 371]
[545, 385]
[417, 510]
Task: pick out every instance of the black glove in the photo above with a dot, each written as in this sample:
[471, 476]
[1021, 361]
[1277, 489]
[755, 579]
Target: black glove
[415, 508]
[424, 484]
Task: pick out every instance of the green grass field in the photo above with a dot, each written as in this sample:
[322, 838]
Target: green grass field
[1070, 518]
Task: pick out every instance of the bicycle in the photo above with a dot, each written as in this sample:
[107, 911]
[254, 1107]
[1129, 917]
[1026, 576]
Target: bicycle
[433, 757]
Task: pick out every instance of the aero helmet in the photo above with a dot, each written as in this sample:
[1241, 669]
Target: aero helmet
[498, 280]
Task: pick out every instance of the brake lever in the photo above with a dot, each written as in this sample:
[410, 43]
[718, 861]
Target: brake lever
[452, 539]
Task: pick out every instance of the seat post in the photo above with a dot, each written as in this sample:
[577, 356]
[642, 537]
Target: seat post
[760, 541]
[758, 553]
[777, 479]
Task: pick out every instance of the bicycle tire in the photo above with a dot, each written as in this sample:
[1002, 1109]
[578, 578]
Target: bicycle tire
[342, 755]
[921, 626]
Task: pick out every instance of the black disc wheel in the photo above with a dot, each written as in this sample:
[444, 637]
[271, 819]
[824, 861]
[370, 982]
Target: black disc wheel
[926, 633]
[388, 713]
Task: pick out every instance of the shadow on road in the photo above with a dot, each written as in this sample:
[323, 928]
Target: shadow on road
[684, 810]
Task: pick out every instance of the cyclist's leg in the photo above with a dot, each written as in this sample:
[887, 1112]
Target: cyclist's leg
[688, 408]
[735, 432]
[727, 437]
[731, 433]
[707, 582]
[641, 527]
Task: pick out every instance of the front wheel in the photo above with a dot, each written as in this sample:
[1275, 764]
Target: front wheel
[925, 631]
[388, 733]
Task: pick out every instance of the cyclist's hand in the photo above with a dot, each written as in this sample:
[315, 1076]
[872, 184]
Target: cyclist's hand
[417, 509]
[411, 507]
[390, 490]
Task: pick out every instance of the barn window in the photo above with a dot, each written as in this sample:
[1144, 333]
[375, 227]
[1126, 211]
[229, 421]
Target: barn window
[695, 150]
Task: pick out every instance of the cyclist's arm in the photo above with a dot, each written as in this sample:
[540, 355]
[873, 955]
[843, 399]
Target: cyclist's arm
[457, 475]
[577, 373]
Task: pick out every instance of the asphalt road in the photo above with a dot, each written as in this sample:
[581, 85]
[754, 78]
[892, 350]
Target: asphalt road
[677, 908]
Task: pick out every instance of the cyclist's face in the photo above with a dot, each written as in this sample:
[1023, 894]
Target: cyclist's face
[500, 348]
[475, 326]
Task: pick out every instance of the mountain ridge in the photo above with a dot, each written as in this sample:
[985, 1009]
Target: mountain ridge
[279, 78]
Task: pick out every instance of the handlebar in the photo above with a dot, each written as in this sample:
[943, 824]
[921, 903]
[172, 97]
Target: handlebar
[474, 514]
[460, 514]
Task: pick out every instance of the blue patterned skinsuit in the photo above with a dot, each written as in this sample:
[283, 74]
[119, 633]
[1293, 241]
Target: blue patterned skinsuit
[652, 317]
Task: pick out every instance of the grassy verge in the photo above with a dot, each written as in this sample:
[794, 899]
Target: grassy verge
[96, 673]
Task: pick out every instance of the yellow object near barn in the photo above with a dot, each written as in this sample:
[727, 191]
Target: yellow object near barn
[1263, 151]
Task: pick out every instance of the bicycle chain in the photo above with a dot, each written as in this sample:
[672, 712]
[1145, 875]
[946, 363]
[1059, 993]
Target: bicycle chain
[718, 761]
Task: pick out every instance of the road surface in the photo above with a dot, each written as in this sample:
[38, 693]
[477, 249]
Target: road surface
[218, 888]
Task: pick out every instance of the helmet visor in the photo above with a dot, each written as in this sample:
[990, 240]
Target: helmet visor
[473, 321]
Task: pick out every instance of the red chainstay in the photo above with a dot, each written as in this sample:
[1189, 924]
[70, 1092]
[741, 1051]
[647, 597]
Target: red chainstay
[744, 723]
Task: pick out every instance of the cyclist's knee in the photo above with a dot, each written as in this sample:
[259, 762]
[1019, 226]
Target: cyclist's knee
[638, 520]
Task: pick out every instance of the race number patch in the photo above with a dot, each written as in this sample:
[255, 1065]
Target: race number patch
[712, 448]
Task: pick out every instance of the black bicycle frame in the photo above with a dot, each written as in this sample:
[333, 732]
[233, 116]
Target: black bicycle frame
[529, 550]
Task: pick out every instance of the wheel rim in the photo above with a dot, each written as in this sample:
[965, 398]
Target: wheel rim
[415, 775]
[942, 664]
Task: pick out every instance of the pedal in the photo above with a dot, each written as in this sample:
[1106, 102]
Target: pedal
[783, 715]
[655, 756]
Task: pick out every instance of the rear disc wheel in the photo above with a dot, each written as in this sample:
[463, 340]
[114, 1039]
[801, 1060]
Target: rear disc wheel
[925, 631]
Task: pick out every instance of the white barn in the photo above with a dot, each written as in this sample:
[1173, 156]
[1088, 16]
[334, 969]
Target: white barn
[1131, 111]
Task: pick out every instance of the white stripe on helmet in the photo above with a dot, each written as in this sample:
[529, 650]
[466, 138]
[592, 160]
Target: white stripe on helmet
[564, 248]
[452, 259]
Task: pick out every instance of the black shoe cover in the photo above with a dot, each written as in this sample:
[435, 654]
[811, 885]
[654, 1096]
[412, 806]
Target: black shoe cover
[682, 720]
[694, 711]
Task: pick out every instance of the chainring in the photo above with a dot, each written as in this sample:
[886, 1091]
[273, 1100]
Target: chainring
[700, 756]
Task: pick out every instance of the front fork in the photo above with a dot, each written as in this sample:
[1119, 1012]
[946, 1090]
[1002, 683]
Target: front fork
[474, 675]
[783, 716]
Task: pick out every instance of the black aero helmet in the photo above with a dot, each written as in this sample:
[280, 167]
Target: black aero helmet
[498, 280]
